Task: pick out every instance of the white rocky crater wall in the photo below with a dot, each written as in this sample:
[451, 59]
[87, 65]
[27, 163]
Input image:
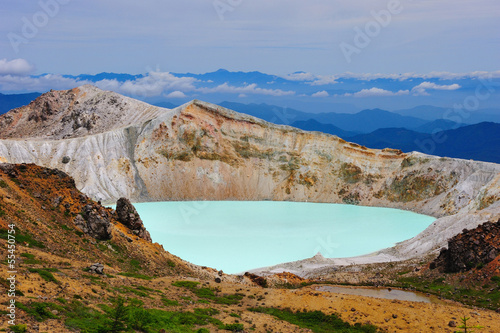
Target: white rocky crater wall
[114, 147]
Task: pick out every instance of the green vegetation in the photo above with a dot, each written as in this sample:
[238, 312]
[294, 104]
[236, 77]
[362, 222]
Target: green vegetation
[3, 184]
[135, 264]
[233, 327]
[124, 316]
[19, 328]
[39, 310]
[25, 238]
[416, 186]
[186, 284]
[61, 300]
[28, 255]
[467, 329]
[65, 227]
[293, 164]
[136, 275]
[209, 294]
[410, 161]
[45, 273]
[351, 199]
[133, 317]
[316, 321]
[485, 296]
[350, 173]
[30, 259]
[127, 289]
[247, 150]
[169, 302]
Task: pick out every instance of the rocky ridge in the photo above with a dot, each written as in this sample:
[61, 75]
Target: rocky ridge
[75, 113]
[469, 249]
[201, 151]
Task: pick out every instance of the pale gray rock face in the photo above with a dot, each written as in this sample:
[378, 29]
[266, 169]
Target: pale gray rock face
[96, 268]
[114, 147]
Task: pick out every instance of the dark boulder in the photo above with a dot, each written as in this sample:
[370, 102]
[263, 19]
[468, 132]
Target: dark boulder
[9, 169]
[94, 221]
[259, 280]
[471, 248]
[128, 216]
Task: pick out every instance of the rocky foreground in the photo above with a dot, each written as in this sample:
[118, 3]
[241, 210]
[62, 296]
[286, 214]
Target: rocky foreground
[114, 146]
[75, 261]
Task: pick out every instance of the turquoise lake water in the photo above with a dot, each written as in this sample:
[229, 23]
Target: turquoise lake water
[237, 236]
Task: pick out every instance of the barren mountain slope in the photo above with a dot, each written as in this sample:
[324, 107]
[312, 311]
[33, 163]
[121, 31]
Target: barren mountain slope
[55, 291]
[200, 151]
[74, 113]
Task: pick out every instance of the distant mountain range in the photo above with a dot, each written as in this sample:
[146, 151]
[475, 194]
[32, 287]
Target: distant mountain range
[362, 122]
[9, 102]
[478, 142]
[462, 115]
[314, 125]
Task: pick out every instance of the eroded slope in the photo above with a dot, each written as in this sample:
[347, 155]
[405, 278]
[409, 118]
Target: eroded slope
[201, 151]
[81, 111]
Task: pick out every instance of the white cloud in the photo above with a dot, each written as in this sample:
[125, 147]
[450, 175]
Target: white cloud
[421, 89]
[431, 75]
[154, 84]
[324, 80]
[15, 67]
[376, 92]
[43, 83]
[248, 89]
[317, 80]
[322, 93]
[300, 76]
[176, 94]
[312, 79]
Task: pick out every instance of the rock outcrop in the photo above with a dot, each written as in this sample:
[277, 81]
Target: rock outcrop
[201, 151]
[74, 113]
[469, 249]
[44, 204]
[128, 216]
[94, 221]
[96, 268]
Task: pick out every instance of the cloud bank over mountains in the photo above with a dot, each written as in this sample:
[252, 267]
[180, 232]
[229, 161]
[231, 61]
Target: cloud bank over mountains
[409, 89]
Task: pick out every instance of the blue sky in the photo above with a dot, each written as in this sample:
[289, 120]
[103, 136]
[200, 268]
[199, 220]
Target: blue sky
[351, 54]
[278, 37]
